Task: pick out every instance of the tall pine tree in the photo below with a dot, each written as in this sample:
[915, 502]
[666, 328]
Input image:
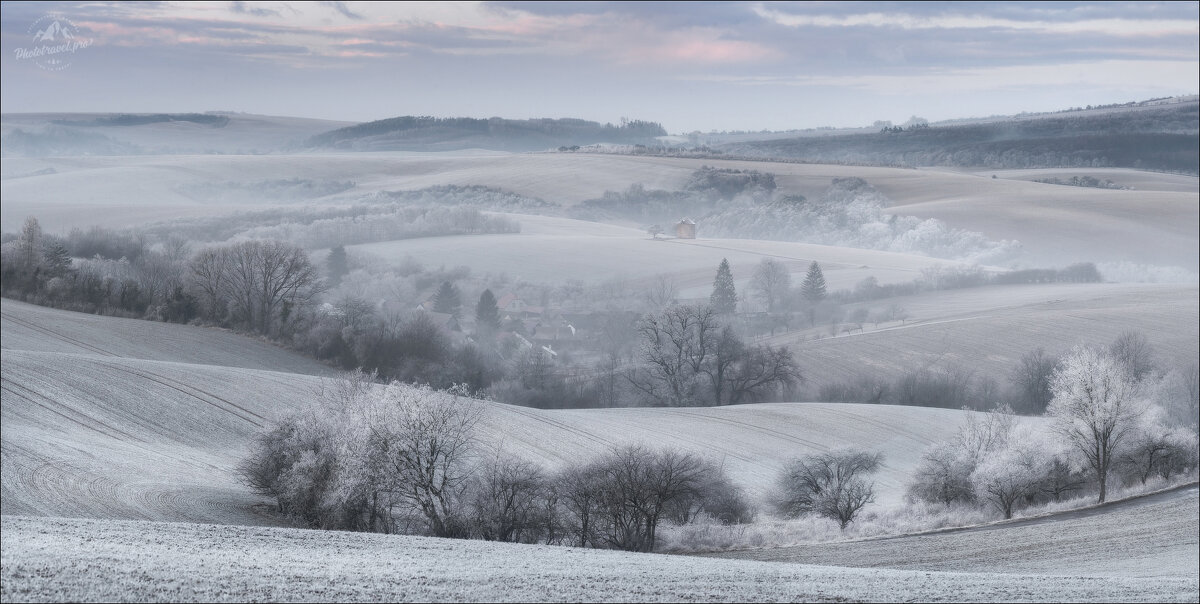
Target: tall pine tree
[337, 265]
[447, 299]
[724, 296]
[487, 314]
[813, 288]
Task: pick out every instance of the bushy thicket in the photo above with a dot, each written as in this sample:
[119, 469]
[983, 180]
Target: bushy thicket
[1111, 415]
[409, 459]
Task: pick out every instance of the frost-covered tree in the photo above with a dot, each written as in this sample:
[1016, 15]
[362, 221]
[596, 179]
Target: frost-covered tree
[1010, 476]
[813, 287]
[724, 294]
[944, 474]
[1096, 407]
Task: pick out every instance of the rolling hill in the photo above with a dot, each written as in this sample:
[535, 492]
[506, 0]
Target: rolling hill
[1056, 225]
[87, 434]
[986, 330]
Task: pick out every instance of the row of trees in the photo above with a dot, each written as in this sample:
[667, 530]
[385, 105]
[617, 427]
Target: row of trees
[409, 459]
[1103, 423]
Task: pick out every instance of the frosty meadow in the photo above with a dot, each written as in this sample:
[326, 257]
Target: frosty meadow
[401, 350]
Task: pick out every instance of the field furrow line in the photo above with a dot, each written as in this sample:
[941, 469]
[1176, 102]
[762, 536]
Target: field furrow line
[89, 424]
[180, 388]
[55, 334]
[531, 414]
[788, 437]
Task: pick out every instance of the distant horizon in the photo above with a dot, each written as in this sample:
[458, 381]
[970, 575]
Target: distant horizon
[1071, 109]
[702, 66]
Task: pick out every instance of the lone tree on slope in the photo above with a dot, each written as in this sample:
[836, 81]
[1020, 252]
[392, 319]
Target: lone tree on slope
[724, 295]
[1096, 408]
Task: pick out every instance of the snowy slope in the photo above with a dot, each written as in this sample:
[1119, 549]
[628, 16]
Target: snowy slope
[69, 560]
[107, 437]
[987, 330]
[37, 328]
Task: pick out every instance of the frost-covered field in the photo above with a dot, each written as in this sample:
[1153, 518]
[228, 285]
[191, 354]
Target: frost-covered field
[988, 329]
[1055, 224]
[54, 559]
[554, 250]
[108, 437]
[37, 328]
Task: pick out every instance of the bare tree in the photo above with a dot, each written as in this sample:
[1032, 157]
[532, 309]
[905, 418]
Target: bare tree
[638, 484]
[663, 292]
[676, 345]
[507, 501]
[831, 485]
[210, 275]
[1134, 354]
[259, 281]
[1096, 407]
[763, 371]
[1031, 381]
[770, 283]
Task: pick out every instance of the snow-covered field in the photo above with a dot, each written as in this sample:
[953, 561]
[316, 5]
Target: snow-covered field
[554, 250]
[988, 329]
[1056, 224]
[70, 560]
[37, 328]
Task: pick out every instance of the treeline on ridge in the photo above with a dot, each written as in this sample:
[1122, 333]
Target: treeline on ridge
[1160, 138]
[433, 133]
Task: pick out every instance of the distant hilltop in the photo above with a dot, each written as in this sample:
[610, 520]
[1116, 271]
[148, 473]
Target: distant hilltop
[412, 133]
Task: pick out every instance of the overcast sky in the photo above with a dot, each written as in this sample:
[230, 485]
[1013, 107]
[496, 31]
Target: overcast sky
[723, 66]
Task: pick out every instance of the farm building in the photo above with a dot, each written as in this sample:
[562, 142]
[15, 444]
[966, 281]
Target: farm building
[686, 229]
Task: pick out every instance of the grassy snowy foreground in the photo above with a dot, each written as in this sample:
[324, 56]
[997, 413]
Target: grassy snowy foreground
[1153, 535]
[54, 559]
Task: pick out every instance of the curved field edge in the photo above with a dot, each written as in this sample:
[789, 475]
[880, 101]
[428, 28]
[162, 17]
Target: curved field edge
[55, 559]
[1152, 535]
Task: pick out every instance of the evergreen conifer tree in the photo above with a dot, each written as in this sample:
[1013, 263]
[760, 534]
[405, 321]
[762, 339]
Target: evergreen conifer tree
[337, 265]
[447, 299]
[724, 296]
[487, 314]
[813, 288]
